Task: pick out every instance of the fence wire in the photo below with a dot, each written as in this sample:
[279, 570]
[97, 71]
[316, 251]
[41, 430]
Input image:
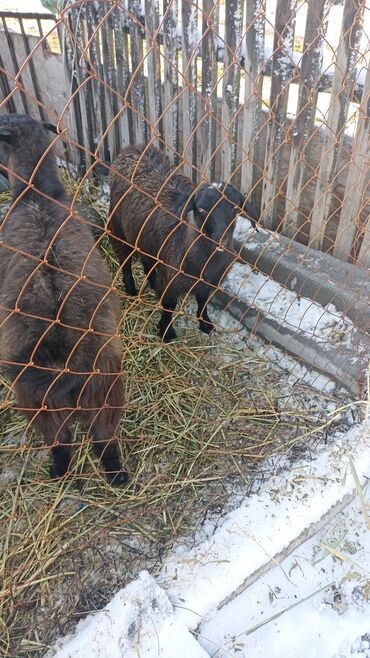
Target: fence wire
[213, 151]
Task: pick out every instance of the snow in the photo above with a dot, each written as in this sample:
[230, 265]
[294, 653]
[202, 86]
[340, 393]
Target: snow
[138, 621]
[199, 579]
[289, 568]
[311, 594]
[325, 325]
[298, 373]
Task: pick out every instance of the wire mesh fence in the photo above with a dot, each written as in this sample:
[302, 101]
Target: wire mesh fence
[190, 165]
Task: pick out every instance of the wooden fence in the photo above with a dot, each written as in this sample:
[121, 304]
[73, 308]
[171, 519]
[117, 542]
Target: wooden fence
[252, 91]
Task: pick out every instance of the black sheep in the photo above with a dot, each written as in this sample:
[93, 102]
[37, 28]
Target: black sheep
[59, 315]
[149, 215]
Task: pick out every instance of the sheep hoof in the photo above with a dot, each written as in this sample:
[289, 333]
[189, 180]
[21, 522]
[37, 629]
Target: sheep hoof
[206, 327]
[131, 289]
[118, 478]
[56, 473]
[168, 336]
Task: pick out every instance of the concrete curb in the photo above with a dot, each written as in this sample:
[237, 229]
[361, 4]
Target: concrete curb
[320, 278]
[309, 273]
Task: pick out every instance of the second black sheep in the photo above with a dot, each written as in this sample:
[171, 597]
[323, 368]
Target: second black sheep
[149, 215]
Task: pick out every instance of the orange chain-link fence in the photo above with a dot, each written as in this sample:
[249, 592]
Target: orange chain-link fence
[212, 152]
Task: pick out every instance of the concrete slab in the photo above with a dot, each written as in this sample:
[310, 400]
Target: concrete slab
[315, 276]
[308, 272]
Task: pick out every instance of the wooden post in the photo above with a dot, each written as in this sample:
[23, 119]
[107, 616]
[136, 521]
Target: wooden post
[254, 54]
[123, 75]
[154, 69]
[99, 113]
[364, 254]
[137, 77]
[231, 86]
[276, 132]
[170, 85]
[209, 90]
[343, 82]
[357, 182]
[304, 121]
[189, 26]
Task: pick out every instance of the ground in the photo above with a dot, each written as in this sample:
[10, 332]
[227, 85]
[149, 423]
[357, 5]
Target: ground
[202, 417]
[207, 422]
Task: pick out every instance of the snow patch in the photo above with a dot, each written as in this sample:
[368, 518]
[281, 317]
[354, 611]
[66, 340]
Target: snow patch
[305, 316]
[138, 621]
[311, 594]
[200, 579]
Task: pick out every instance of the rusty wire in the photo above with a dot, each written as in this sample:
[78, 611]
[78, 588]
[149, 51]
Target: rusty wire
[269, 156]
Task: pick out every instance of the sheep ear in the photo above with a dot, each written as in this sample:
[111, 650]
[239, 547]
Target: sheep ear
[51, 127]
[249, 212]
[6, 135]
[189, 207]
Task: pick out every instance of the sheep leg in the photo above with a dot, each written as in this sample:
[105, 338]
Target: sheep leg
[150, 273]
[108, 453]
[165, 329]
[61, 456]
[104, 442]
[124, 254]
[127, 277]
[52, 425]
[205, 323]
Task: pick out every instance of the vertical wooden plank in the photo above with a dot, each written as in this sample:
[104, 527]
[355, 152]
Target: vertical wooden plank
[154, 68]
[13, 56]
[4, 82]
[231, 85]
[170, 84]
[276, 131]
[254, 56]
[137, 77]
[209, 91]
[189, 42]
[303, 124]
[123, 75]
[343, 83]
[82, 72]
[101, 50]
[70, 56]
[356, 184]
[107, 44]
[364, 254]
[99, 115]
[31, 65]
